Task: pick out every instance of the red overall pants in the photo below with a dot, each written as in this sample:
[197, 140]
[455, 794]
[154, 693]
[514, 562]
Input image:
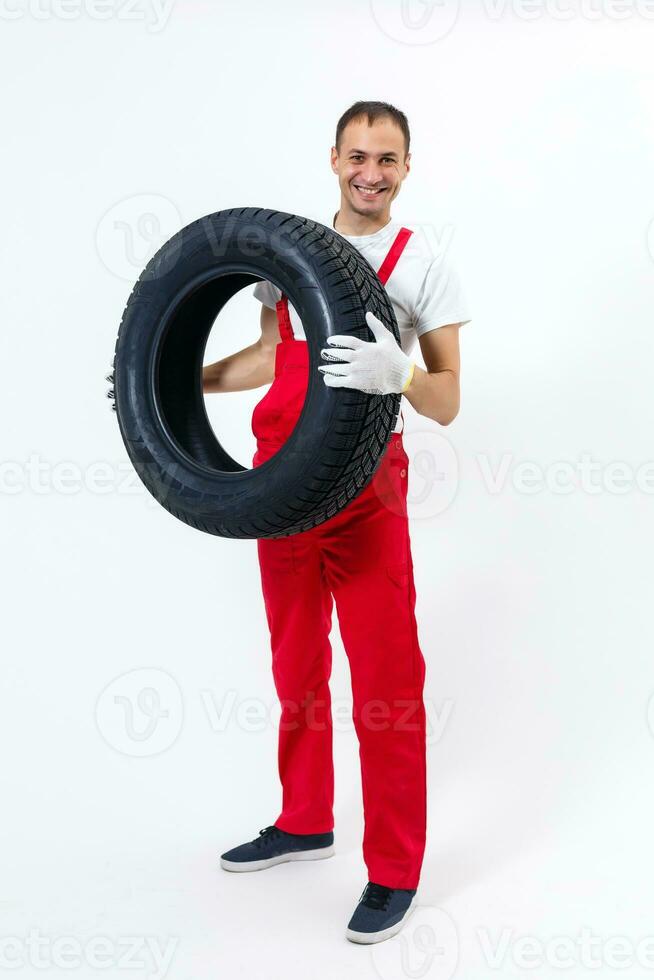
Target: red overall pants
[361, 558]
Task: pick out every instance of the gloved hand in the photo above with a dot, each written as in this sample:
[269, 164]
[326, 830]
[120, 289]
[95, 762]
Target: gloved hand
[110, 391]
[378, 367]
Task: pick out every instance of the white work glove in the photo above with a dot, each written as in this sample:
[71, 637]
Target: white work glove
[110, 393]
[378, 367]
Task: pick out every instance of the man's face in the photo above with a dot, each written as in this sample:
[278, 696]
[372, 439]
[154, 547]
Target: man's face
[371, 165]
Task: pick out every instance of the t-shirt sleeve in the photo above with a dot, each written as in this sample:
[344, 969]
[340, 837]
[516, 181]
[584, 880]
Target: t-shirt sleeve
[267, 293]
[441, 299]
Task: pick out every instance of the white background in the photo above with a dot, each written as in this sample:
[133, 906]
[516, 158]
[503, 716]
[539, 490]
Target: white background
[533, 156]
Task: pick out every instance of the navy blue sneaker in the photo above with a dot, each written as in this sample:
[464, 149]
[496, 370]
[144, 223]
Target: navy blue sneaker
[381, 913]
[274, 846]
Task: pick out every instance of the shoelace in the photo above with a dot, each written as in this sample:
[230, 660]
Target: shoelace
[267, 834]
[376, 896]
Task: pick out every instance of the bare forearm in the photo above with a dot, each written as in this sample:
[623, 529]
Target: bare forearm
[435, 394]
[248, 368]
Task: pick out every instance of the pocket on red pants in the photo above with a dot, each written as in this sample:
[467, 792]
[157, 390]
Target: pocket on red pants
[390, 484]
[398, 572]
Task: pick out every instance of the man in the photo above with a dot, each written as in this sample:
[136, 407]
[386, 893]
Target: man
[360, 558]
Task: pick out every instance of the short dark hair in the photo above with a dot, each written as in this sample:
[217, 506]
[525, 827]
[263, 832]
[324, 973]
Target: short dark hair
[374, 111]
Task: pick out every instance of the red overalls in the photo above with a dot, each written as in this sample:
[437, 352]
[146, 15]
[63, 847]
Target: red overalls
[361, 558]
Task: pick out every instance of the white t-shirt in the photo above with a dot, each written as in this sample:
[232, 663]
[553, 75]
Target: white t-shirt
[424, 288]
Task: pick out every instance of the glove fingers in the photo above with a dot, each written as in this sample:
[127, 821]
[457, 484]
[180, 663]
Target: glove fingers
[342, 355]
[338, 381]
[333, 380]
[341, 340]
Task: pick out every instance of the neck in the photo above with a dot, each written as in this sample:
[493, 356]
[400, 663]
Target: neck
[349, 222]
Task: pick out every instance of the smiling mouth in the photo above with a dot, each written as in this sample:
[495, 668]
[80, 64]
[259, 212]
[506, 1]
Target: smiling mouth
[369, 191]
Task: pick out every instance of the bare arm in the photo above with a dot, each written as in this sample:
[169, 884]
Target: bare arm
[249, 368]
[435, 393]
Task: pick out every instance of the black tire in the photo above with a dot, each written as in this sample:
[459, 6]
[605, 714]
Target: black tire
[341, 435]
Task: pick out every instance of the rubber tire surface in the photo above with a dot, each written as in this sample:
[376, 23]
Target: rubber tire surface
[341, 434]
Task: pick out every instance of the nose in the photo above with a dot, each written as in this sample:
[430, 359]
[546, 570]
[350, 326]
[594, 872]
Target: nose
[371, 175]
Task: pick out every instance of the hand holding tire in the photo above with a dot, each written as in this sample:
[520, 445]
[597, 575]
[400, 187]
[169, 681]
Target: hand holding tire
[378, 367]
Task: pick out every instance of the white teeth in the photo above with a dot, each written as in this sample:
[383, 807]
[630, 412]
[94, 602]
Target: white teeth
[369, 190]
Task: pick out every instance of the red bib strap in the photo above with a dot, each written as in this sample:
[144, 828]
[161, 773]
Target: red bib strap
[284, 319]
[385, 270]
[396, 249]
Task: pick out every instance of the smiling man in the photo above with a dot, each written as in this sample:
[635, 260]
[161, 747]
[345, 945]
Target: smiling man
[361, 557]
